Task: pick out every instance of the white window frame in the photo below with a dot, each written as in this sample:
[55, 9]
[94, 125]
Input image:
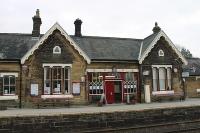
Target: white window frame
[168, 68]
[68, 80]
[63, 67]
[57, 52]
[9, 85]
[161, 53]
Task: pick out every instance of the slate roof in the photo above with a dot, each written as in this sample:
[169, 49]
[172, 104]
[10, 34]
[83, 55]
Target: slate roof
[147, 41]
[14, 45]
[109, 48]
[193, 66]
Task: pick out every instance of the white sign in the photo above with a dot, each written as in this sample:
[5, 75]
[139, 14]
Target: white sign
[47, 90]
[76, 88]
[34, 89]
[185, 74]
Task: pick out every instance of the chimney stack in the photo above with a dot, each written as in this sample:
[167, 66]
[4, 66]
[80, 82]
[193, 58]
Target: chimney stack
[36, 24]
[77, 24]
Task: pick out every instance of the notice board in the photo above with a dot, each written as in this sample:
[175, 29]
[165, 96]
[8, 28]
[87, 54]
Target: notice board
[76, 88]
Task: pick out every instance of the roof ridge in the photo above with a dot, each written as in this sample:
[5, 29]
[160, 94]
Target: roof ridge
[104, 37]
[15, 34]
[149, 36]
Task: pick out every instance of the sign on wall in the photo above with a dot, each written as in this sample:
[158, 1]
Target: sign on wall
[34, 89]
[185, 74]
[76, 88]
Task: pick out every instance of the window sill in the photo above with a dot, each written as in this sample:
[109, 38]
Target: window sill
[171, 92]
[58, 96]
[9, 97]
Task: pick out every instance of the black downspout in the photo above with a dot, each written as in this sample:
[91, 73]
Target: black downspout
[141, 83]
[20, 89]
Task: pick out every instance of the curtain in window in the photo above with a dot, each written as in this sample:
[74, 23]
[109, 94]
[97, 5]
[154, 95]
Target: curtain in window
[155, 79]
[169, 78]
[162, 78]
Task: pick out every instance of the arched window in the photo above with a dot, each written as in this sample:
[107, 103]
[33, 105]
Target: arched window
[56, 50]
[161, 52]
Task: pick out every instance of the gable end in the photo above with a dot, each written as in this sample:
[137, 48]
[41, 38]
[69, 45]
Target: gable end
[56, 26]
[153, 43]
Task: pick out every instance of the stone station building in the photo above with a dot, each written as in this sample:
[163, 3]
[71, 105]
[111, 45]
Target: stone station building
[56, 68]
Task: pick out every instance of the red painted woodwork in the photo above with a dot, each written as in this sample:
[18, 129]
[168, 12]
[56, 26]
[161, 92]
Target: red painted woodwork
[109, 85]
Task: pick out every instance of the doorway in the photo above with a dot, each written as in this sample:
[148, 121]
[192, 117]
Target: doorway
[113, 91]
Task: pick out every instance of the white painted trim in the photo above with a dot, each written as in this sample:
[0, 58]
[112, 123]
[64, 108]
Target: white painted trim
[153, 43]
[197, 77]
[161, 53]
[140, 50]
[8, 73]
[110, 70]
[56, 96]
[163, 92]
[9, 97]
[56, 26]
[99, 70]
[165, 66]
[54, 64]
[59, 50]
[127, 70]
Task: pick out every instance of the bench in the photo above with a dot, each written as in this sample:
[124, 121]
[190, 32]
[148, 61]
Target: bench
[167, 95]
[47, 101]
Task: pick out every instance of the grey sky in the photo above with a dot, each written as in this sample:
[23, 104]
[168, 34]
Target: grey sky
[180, 19]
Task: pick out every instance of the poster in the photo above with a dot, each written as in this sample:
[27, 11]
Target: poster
[34, 89]
[76, 88]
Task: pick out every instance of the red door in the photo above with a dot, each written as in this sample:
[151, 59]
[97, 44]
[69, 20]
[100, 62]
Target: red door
[109, 85]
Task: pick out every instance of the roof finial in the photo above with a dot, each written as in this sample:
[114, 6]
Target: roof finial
[156, 29]
[37, 13]
[156, 24]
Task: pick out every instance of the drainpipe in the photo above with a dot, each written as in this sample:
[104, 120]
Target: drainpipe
[140, 82]
[20, 88]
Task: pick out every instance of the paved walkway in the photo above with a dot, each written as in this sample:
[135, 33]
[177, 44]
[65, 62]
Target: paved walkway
[92, 109]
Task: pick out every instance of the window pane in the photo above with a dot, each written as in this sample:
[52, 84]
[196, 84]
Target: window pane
[56, 86]
[6, 80]
[66, 86]
[6, 90]
[169, 78]
[54, 73]
[12, 80]
[155, 79]
[66, 73]
[47, 83]
[59, 73]
[12, 89]
[48, 73]
[162, 75]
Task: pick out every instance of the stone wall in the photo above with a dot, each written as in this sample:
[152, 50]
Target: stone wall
[151, 121]
[169, 58]
[44, 54]
[191, 86]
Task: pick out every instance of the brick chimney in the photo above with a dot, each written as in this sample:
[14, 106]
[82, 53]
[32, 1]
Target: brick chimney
[77, 24]
[36, 24]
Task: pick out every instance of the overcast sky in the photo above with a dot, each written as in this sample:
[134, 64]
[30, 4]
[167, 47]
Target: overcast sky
[180, 19]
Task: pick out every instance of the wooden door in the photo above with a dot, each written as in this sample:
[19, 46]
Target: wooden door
[109, 85]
